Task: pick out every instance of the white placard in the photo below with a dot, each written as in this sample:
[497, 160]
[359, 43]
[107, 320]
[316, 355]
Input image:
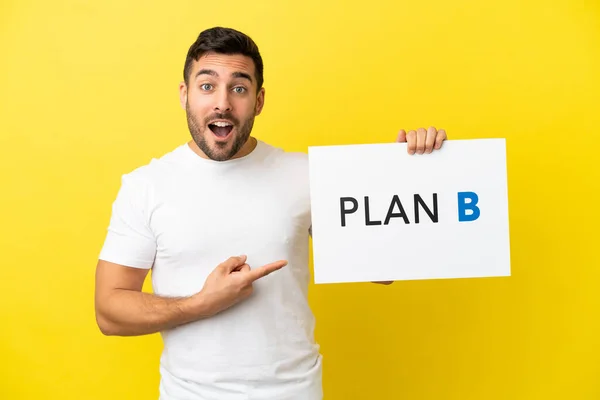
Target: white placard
[381, 214]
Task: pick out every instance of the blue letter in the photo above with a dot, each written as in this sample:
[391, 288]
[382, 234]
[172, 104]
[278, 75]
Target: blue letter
[463, 206]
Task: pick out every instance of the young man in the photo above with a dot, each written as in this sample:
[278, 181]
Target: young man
[223, 222]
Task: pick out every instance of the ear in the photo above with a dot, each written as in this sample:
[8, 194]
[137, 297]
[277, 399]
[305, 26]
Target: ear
[260, 100]
[182, 94]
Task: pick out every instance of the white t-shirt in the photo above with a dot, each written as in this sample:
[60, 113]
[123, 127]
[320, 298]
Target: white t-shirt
[182, 215]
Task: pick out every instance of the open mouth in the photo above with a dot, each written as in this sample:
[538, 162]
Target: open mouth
[221, 129]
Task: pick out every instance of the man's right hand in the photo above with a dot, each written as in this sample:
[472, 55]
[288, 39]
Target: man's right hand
[231, 282]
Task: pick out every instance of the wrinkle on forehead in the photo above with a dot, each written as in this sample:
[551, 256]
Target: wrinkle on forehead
[234, 62]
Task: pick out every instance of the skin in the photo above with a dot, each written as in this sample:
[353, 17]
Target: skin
[220, 87]
[422, 141]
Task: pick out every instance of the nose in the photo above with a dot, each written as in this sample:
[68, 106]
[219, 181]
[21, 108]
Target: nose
[222, 103]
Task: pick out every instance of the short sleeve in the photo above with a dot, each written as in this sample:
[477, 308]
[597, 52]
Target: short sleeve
[129, 240]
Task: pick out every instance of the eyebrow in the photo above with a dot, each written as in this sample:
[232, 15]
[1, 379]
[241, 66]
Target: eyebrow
[214, 73]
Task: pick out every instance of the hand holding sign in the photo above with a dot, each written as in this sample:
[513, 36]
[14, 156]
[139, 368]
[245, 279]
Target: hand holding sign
[422, 141]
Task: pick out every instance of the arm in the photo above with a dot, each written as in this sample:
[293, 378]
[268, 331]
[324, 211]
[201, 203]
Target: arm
[122, 309]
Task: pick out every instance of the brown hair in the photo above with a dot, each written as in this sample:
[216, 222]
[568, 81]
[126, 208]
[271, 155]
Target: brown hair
[224, 41]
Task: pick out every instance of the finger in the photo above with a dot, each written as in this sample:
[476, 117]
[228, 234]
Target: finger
[439, 139]
[242, 268]
[421, 135]
[232, 263]
[401, 136]
[265, 270]
[430, 139]
[411, 139]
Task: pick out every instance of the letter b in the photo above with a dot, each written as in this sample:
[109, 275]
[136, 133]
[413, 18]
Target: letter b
[471, 205]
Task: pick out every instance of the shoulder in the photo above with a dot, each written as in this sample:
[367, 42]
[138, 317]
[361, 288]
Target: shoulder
[164, 164]
[293, 160]
[158, 169]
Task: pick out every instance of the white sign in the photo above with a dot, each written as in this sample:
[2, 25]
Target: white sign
[381, 214]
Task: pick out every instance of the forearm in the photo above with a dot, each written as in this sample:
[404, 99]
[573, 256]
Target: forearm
[131, 313]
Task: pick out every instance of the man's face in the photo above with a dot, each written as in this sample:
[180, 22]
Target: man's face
[221, 102]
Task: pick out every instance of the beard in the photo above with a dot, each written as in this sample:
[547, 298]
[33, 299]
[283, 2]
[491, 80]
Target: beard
[219, 151]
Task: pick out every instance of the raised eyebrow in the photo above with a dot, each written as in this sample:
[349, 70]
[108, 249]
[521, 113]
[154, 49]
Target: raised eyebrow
[242, 75]
[206, 72]
[214, 73]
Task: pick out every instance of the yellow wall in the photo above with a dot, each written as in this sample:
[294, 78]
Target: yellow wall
[89, 92]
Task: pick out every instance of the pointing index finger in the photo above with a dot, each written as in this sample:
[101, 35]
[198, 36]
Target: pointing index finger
[265, 270]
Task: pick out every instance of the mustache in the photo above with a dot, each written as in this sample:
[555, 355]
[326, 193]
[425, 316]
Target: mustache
[226, 116]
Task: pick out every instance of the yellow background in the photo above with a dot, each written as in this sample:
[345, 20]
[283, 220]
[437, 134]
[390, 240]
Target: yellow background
[89, 92]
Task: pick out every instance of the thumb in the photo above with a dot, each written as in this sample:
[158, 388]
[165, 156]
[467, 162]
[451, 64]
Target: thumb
[243, 268]
[232, 263]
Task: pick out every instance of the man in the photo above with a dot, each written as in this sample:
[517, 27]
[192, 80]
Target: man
[223, 222]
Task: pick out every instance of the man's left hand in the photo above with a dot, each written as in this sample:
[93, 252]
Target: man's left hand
[422, 141]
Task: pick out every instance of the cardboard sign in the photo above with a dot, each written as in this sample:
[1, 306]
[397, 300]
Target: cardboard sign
[380, 214]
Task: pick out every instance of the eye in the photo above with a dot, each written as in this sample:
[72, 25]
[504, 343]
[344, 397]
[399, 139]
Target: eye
[206, 86]
[239, 89]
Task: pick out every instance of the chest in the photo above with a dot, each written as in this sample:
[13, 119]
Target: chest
[213, 220]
